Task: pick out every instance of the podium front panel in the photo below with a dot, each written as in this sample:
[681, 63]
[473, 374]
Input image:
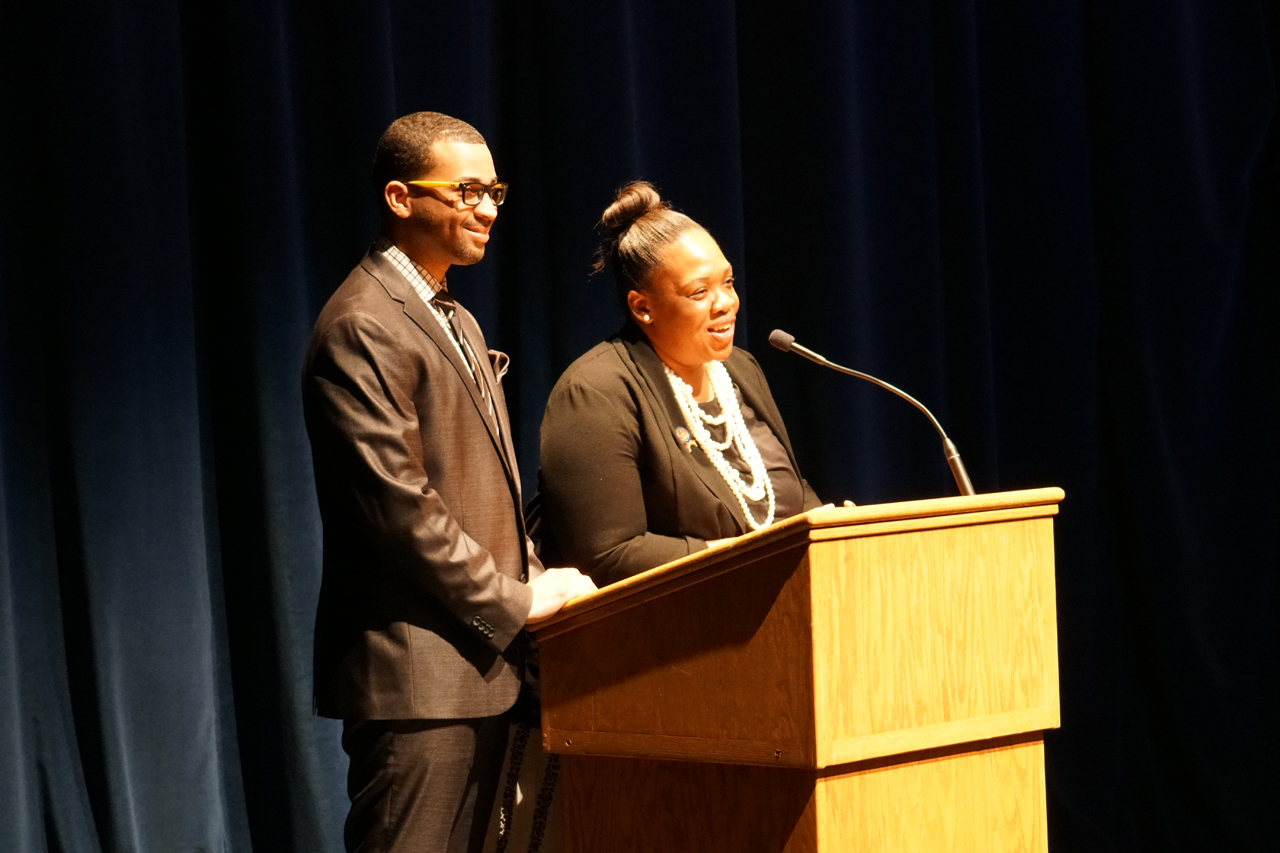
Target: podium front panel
[717, 670]
[931, 637]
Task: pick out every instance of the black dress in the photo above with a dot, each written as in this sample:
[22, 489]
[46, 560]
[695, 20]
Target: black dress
[621, 490]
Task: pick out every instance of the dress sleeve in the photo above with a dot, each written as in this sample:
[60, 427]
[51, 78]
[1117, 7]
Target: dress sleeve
[592, 494]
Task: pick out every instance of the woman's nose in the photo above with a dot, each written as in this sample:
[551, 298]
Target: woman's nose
[726, 300]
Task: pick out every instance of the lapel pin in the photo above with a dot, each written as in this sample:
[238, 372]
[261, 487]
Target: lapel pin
[686, 440]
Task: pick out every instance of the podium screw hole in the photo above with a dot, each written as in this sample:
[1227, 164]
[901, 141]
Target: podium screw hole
[777, 753]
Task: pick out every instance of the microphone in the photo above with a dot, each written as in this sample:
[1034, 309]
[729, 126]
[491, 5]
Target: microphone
[787, 343]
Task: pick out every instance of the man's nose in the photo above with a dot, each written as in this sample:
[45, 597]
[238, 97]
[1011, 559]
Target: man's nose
[486, 209]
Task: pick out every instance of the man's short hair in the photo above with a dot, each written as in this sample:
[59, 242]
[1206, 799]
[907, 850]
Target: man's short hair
[404, 151]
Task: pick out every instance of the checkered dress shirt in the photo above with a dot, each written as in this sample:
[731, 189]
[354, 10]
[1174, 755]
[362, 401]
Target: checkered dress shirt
[427, 287]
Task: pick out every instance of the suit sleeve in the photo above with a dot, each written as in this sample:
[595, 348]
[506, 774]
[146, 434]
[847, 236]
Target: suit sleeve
[535, 565]
[360, 391]
[592, 493]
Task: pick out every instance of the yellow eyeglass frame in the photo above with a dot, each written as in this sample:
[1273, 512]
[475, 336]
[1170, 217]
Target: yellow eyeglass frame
[480, 190]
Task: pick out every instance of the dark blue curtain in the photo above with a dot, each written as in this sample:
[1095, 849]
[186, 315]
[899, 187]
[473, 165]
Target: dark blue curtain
[1057, 223]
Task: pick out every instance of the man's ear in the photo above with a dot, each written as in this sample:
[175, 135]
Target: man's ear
[396, 195]
[638, 304]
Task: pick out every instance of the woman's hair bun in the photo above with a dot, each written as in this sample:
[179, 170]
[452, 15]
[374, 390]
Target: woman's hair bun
[636, 229]
[632, 202]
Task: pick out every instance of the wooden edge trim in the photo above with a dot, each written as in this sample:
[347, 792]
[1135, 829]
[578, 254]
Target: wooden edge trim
[683, 574]
[836, 516]
[796, 526]
[886, 744]
[850, 531]
[924, 756]
[673, 748]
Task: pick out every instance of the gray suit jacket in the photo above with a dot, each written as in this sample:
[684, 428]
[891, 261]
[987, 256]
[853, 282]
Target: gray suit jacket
[425, 553]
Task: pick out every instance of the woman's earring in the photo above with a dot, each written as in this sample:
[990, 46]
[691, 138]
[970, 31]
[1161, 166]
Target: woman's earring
[644, 317]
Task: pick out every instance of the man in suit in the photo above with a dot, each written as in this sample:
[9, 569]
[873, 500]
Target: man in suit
[429, 578]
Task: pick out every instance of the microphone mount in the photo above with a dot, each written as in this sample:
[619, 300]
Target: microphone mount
[787, 343]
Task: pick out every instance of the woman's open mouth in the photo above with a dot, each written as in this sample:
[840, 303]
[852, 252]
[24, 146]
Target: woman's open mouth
[722, 332]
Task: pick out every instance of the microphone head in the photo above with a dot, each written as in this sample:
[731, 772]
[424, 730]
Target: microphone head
[779, 339]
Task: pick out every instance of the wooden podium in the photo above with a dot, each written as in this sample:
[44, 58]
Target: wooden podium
[875, 678]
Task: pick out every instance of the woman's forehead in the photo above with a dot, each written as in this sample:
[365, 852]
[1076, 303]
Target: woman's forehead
[693, 255]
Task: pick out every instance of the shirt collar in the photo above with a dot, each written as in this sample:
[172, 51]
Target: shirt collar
[423, 282]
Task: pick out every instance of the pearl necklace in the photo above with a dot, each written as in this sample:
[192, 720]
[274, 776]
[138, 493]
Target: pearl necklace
[736, 433]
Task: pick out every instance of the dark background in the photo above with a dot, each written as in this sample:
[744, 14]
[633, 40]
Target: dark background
[1056, 223]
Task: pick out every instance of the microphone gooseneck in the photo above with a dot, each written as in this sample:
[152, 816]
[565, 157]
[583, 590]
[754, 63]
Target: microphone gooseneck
[779, 339]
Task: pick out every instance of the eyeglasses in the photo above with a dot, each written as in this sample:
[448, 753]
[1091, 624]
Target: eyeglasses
[472, 191]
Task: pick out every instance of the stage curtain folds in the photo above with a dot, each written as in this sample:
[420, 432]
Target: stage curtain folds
[1055, 223]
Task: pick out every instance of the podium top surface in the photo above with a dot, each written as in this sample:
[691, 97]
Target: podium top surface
[814, 526]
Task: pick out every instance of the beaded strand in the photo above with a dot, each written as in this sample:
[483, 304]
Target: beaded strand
[736, 433]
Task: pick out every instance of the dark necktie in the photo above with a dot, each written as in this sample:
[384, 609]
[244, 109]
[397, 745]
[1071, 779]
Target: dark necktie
[445, 304]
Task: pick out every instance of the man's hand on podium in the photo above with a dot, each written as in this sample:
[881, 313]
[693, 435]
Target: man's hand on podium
[552, 589]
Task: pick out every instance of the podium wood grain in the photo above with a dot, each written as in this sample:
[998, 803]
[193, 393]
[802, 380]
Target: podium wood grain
[935, 800]
[717, 671]
[940, 799]
[869, 679]
[930, 638]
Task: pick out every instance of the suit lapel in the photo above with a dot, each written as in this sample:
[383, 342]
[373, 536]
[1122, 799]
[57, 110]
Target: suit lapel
[417, 311]
[493, 382]
[652, 374]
